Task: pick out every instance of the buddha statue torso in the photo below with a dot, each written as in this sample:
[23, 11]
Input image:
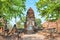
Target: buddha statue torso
[30, 21]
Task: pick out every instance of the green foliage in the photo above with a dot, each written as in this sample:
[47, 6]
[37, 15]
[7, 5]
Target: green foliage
[11, 8]
[50, 9]
[38, 22]
[20, 23]
[1, 24]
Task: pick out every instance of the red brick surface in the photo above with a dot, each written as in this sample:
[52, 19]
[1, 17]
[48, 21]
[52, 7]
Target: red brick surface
[49, 24]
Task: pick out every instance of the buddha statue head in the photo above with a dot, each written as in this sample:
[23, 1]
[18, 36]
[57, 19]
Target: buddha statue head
[30, 13]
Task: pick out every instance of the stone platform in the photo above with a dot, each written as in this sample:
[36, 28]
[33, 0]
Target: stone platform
[33, 37]
[30, 37]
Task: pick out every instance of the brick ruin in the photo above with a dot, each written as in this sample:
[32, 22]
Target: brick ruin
[49, 25]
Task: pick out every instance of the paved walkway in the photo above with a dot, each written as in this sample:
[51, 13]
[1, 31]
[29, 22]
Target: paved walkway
[33, 37]
[29, 37]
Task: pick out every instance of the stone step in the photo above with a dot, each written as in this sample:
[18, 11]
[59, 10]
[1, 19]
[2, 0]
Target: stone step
[32, 37]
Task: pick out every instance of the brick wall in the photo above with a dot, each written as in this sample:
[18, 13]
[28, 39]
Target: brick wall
[55, 25]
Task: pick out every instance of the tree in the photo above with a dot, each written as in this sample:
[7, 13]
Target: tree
[11, 8]
[38, 22]
[50, 9]
[20, 23]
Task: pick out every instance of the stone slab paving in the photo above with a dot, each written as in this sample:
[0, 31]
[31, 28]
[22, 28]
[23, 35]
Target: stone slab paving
[32, 37]
[29, 37]
[39, 37]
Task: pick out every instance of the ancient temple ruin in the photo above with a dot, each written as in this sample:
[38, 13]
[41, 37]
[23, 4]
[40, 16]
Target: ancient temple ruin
[30, 21]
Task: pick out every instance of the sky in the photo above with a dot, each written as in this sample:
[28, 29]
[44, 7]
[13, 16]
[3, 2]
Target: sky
[30, 3]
